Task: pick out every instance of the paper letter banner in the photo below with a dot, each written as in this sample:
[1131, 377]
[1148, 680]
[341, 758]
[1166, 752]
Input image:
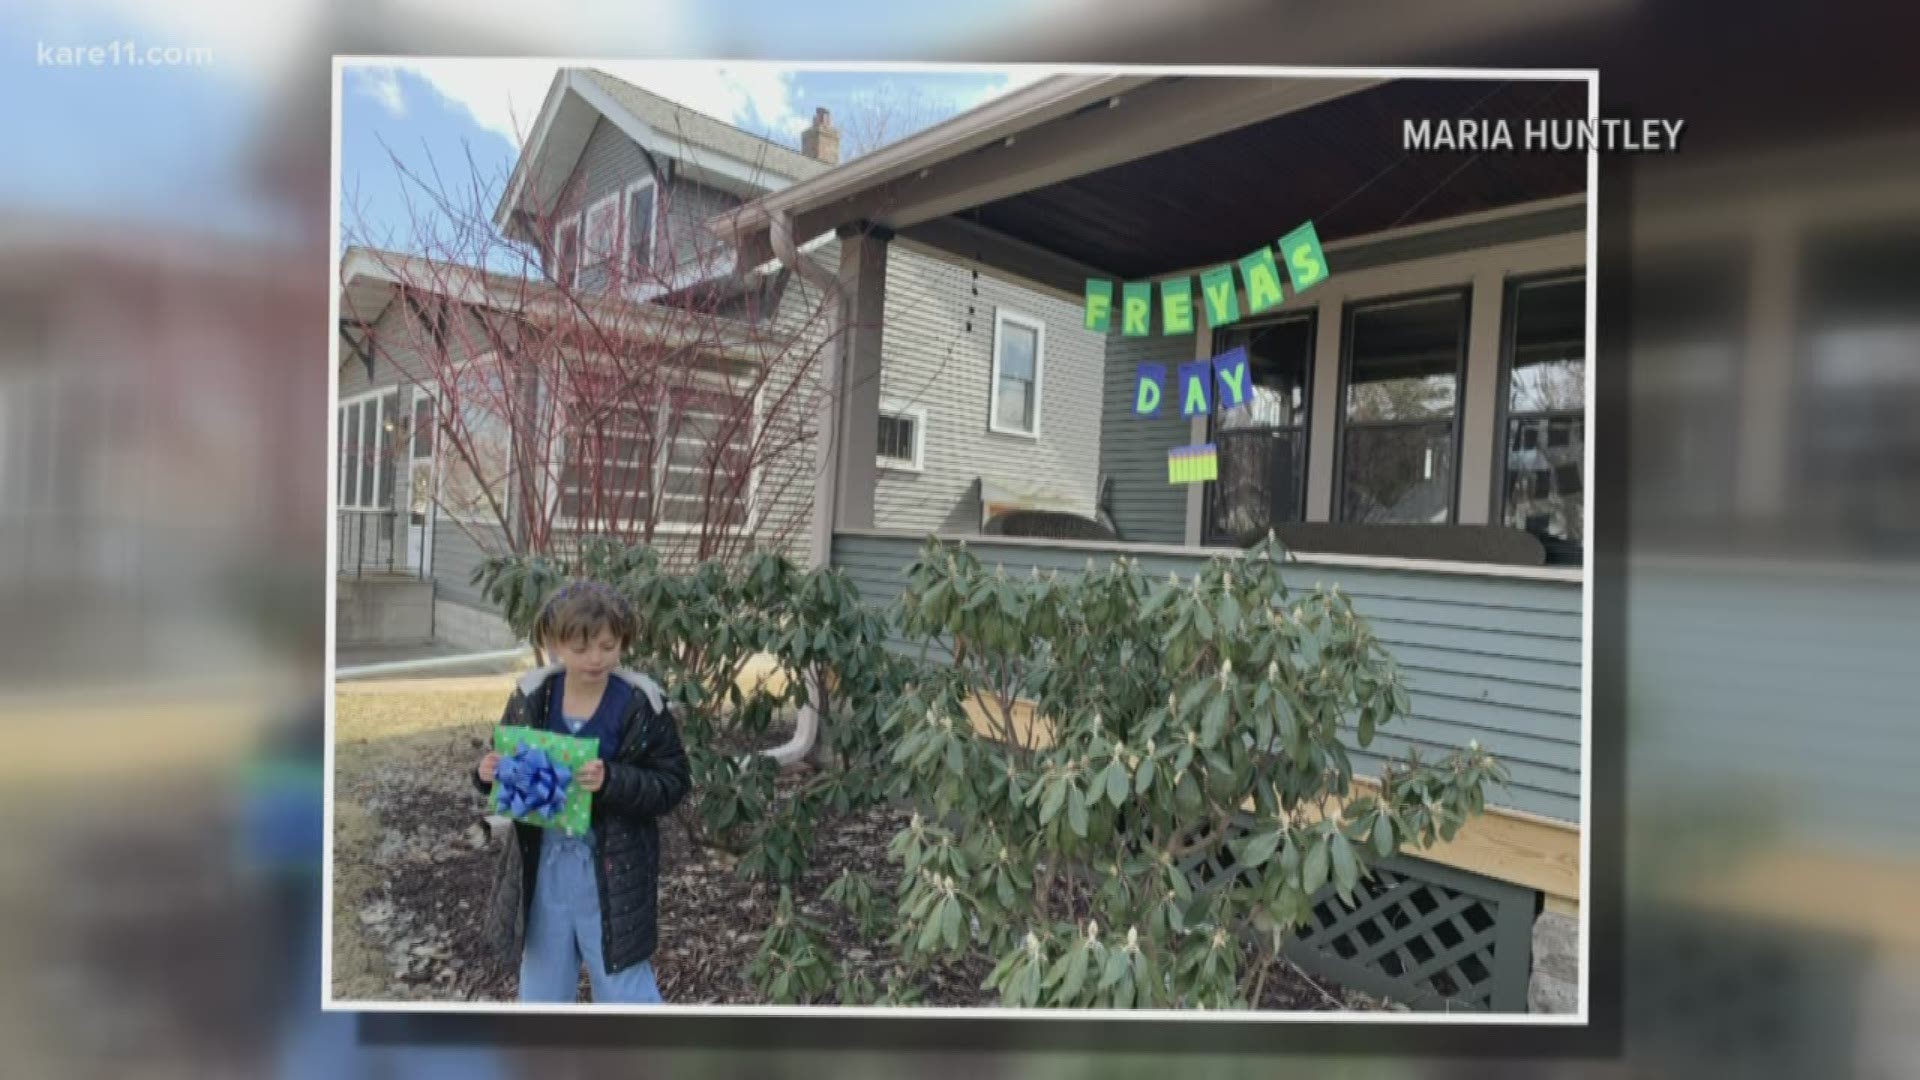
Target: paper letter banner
[1306, 264]
[1230, 379]
[1263, 281]
[1099, 305]
[1194, 378]
[1176, 306]
[1148, 389]
[535, 784]
[1192, 464]
[1223, 306]
[1136, 308]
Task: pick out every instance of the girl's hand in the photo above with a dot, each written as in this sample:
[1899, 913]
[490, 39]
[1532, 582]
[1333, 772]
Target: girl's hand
[488, 766]
[593, 775]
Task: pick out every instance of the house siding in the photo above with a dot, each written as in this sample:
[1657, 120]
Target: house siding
[937, 354]
[610, 161]
[1490, 659]
[1133, 449]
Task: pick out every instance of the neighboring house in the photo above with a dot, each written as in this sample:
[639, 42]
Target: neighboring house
[983, 400]
[1387, 398]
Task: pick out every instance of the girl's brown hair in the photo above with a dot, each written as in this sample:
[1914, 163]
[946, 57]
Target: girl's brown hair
[580, 610]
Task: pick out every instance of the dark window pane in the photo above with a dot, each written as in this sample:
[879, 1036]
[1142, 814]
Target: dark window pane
[640, 229]
[896, 438]
[1262, 445]
[1400, 473]
[1018, 364]
[1546, 399]
[1403, 371]
[423, 427]
[1405, 361]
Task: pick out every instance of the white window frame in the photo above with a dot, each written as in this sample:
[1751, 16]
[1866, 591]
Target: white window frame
[1002, 317]
[378, 395]
[918, 415]
[653, 224]
[571, 223]
[585, 247]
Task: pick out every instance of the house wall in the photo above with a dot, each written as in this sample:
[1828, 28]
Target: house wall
[610, 162]
[1480, 253]
[1489, 655]
[937, 346]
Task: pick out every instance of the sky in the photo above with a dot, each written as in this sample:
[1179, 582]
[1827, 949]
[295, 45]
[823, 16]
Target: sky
[410, 129]
[173, 144]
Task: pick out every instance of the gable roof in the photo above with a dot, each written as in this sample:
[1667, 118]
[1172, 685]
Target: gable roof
[709, 150]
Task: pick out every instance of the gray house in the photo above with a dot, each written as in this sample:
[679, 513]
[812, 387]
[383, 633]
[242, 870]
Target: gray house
[983, 405]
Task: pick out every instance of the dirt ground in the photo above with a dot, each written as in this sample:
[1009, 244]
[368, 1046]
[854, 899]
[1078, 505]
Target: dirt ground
[411, 876]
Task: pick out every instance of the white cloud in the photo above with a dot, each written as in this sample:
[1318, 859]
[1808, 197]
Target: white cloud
[382, 84]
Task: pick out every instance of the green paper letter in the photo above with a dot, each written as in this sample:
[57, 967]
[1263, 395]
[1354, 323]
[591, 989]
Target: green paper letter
[1099, 305]
[1223, 306]
[1176, 306]
[1136, 308]
[1306, 263]
[1263, 280]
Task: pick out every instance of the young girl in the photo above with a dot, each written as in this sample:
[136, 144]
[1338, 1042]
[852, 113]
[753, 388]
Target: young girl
[594, 897]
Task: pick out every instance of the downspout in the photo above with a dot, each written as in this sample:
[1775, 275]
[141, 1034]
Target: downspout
[806, 729]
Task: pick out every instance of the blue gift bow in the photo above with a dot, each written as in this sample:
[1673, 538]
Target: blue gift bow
[532, 784]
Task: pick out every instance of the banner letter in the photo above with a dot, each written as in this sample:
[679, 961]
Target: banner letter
[1136, 308]
[1193, 387]
[1176, 306]
[1306, 263]
[1263, 280]
[1099, 305]
[1230, 373]
[1147, 390]
[1223, 306]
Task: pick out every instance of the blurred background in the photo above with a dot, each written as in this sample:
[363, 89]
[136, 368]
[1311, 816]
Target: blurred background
[164, 234]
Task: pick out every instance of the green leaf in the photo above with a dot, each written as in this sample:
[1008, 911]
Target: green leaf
[1254, 851]
[1116, 966]
[1383, 833]
[1215, 719]
[1346, 868]
[1076, 973]
[1077, 812]
[1117, 784]
[952, 922]
[1055, 798]
[1314, 872]
[1143, 779]
[930, 933]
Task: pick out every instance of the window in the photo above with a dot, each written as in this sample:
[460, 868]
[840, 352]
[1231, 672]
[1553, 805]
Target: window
[365, 446]
[602, 232]
[1398, 460]
[642, 200]
[1019, 354]
[566, 251]
[477, 440]
[692, 449]
[1263, 444]
[1544, 491]
[903, 434]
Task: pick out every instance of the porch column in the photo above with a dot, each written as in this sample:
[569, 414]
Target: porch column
[863, 279]
[1766, 374]
[1479, 408]
[1196, 434]
[1323, 412]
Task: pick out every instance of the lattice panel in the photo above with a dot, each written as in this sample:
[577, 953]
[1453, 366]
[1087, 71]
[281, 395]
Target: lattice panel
[1421, 934]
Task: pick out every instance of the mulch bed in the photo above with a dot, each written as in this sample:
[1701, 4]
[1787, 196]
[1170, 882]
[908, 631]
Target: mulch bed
[437, 879]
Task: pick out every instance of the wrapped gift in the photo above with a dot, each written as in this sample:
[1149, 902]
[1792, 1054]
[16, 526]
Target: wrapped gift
[536, 783]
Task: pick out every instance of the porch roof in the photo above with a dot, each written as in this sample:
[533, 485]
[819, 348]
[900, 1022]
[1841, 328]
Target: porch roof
[1141, 176]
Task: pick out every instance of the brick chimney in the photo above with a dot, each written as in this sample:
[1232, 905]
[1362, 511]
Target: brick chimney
[821, 140]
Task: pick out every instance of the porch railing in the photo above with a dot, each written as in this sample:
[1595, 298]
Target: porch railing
[370, 543]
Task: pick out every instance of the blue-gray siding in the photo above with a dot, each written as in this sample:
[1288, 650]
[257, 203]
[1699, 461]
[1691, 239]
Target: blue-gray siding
[1133, 449]
[1488, 658]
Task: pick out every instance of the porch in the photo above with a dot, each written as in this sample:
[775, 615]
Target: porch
[1417, 427]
